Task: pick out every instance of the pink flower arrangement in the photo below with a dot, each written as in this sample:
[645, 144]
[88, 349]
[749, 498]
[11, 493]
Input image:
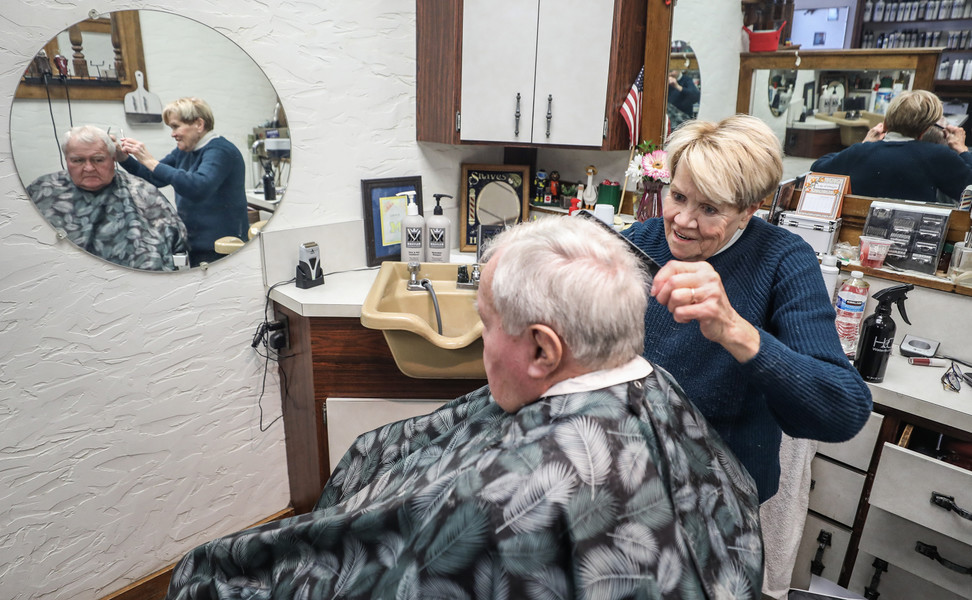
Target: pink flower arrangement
[654, 166]
[649, 164]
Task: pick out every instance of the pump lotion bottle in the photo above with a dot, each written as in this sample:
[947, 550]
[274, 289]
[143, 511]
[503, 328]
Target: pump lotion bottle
[413, 231]
[877, 333]
[437, 233]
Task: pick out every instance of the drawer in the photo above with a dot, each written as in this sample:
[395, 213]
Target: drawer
[894, 539]
[904, 483]
[896, 583]
[835, 490]
[857, 451]
[347, 418]
[833, 556]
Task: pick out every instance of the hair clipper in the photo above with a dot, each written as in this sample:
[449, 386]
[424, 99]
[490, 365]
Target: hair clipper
[309, 270]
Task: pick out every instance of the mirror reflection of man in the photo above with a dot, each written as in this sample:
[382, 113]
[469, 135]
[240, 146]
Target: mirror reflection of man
[683, 94]
[109, 213]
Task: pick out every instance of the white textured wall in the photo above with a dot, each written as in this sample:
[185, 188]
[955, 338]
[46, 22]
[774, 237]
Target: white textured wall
[714, 30]
[128, 401]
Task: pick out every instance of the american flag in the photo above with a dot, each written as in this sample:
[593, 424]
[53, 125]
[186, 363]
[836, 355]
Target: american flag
[631, 109]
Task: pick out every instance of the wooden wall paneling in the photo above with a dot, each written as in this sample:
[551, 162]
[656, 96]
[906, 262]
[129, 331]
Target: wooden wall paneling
[654, 109]
[438, 72]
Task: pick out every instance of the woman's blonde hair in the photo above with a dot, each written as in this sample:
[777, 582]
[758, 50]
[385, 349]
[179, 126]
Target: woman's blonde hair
[912, 112]
[188, 110]
[737, 161]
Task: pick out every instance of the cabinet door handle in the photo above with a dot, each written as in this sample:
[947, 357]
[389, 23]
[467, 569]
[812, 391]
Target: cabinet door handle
[816, 565]
[932, 553]
[549, 112]
[516, 126]
[948, 503]
[871, 591]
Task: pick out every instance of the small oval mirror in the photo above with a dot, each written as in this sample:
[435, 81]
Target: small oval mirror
[117, 73]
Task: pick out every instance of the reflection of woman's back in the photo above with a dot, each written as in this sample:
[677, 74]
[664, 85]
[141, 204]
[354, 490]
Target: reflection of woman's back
[891, 162]
[206, 171]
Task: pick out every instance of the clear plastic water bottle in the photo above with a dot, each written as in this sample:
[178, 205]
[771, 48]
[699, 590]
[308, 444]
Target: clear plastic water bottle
[851, 302]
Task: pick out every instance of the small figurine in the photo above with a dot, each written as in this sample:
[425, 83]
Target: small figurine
[539, 186]
[590, 192]
[555, 187]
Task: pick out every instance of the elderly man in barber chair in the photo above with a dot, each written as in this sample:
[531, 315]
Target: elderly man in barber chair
[111, 214]
[580, 471]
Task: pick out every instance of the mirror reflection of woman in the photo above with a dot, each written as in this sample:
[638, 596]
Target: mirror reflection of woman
[206, 171]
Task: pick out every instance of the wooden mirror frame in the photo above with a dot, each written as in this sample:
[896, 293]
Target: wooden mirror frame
[126, 38]
[922, 61]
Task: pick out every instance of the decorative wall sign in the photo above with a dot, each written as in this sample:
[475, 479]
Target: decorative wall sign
[491, 195]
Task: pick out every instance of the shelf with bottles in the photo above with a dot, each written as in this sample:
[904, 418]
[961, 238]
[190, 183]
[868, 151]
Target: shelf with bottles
[951, 40]
[914, 11]
[955, 68]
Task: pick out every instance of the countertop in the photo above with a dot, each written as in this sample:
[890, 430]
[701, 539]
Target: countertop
[918, 391]
[906, 388]
[341, 294]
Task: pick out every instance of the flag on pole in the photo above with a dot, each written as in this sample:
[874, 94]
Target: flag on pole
[631, 109]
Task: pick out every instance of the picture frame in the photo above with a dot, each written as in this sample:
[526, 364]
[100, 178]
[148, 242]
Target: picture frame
[383, 211]
[491, 195]
[823, 195]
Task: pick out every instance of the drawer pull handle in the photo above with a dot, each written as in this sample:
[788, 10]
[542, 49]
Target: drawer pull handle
[816, 565]
[948, 503]
[871, 591]
[932, 553]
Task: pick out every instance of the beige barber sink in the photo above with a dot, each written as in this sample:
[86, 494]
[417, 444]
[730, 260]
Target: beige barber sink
[407, 320]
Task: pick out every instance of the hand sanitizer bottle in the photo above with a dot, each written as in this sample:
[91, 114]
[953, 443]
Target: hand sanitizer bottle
[438, 227]
[413, 231]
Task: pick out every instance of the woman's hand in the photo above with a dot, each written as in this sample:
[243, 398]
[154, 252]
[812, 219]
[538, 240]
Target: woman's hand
[692, 291]
[955, 137]
[137, 149]
[876, 133]
[120, 154]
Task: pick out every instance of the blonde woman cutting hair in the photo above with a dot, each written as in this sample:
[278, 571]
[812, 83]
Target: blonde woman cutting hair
[741, 316]
[206, 171]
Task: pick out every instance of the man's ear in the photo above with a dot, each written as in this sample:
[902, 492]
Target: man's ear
[548, 351]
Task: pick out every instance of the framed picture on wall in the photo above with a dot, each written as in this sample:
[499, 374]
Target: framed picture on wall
[495, 195]
[383, 210]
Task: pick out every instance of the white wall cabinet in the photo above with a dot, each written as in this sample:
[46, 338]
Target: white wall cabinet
[535, 72]
[490, 71]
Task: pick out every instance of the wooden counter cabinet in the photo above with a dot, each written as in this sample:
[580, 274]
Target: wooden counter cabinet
[333, 357]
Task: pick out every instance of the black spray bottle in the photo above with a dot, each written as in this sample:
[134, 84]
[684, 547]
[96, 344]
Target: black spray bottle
[877, 333]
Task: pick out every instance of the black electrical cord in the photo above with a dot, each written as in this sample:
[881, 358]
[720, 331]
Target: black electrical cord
[50, 107]
[67, 95]
[260, 338]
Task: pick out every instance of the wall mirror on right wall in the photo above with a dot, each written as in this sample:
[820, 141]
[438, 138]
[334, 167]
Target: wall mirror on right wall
[116, 72]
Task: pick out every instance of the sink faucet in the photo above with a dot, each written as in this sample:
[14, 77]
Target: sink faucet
[466, 280]
[414, 285]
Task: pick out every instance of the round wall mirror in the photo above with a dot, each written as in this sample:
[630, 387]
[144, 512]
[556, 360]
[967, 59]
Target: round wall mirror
[116, 73]
[684, 84]
[780, 92]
